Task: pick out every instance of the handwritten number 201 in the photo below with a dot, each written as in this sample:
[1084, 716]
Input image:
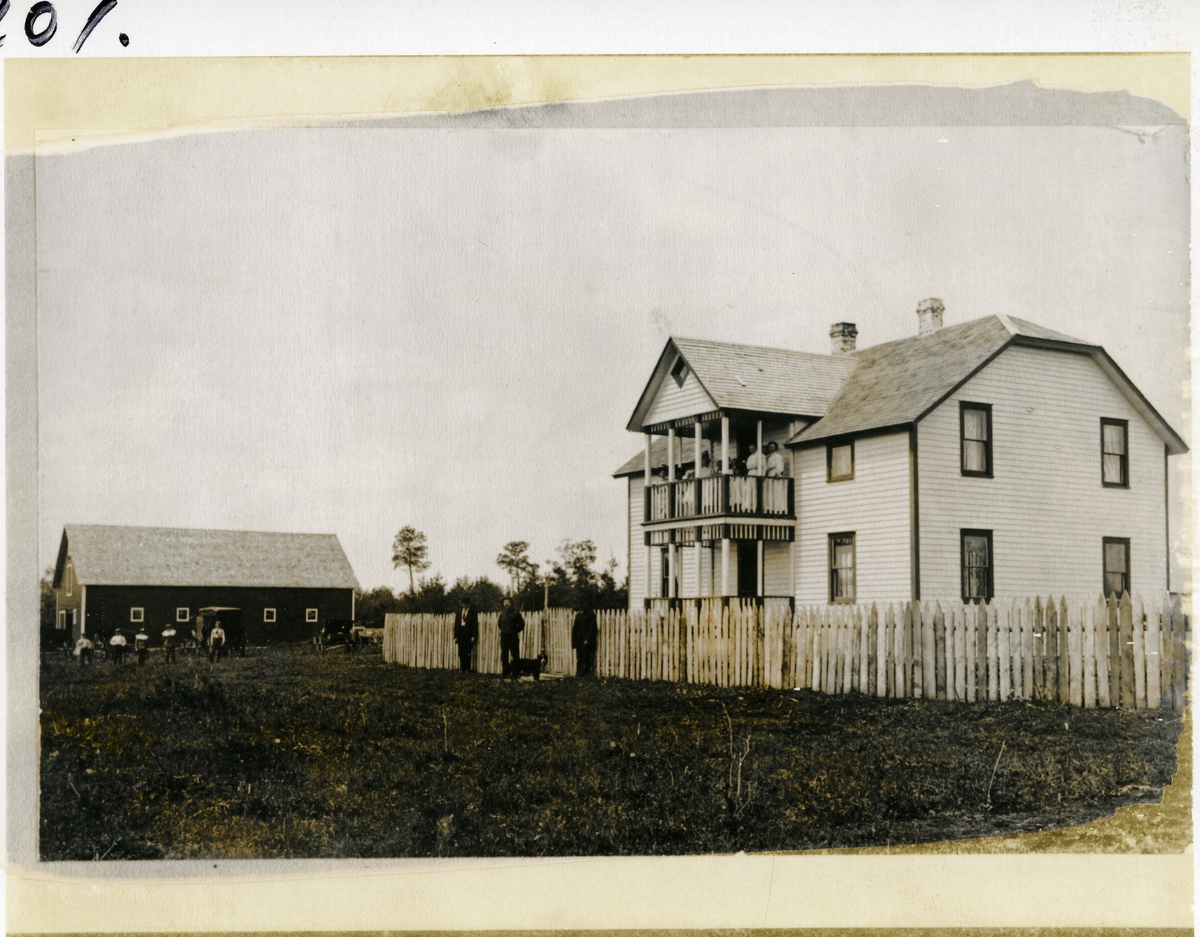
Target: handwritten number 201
[40, 36]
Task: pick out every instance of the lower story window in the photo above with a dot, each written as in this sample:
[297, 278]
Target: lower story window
[137, 614]
[310, 614]
[183, 614]
[842, 585]
[268, 614]
[977, 581]
[1116, 565]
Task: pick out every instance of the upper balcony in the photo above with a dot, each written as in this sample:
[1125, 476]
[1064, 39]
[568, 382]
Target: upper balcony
[720, 495]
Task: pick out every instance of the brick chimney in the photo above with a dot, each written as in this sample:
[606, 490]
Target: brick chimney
[843, 335]
[929, 312]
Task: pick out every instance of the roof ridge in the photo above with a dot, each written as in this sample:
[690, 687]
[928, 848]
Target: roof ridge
[790, 351]
[206, 530]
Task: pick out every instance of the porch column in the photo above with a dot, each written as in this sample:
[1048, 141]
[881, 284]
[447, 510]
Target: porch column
[761, 573]
[646, 509]
[82, 609]
[724, 566]
[759, 440]
[671, 454]
[672, 572]
[697, 446]
[724, 445]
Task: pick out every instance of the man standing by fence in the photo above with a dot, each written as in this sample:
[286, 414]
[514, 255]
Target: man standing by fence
[583, 639]
[466, 634]
[511, 625]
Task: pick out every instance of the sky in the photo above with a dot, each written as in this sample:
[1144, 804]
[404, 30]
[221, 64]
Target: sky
[351, 330]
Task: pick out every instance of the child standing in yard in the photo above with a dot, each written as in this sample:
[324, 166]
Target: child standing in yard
[169, 644]
[141, 644]
[117, 642]
[216, 643]
[84, 650]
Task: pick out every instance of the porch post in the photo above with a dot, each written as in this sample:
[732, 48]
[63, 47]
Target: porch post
[697, 446]
[724, 445]
[724, 566]
[758, 449]
[82, 610]
[646, 513]
[671, 454]
[761, 573]
[672, 571]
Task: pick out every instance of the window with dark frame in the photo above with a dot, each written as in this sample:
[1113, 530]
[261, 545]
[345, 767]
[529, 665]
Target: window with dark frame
[680, 371]
[1114, 453]
[977, 580]
[1116, 566]
[975, 432]
[842, 585]
[839, 461]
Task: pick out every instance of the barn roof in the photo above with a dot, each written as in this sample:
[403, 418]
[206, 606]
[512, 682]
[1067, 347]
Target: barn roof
[748, 377]
[106, 555]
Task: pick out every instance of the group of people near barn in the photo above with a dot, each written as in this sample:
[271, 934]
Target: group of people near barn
[117, 645]
[768, 464]
[584, 637]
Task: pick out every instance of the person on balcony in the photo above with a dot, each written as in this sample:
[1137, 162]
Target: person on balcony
[756, 464]
[511, 625]
[705, 468]
[776, 468]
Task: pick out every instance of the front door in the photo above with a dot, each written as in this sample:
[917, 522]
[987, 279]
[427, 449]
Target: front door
[747, 568]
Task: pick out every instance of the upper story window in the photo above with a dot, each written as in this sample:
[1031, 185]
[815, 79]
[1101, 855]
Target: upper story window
[1114, 453]
[842, 584]
[975, 425]
[977, 582]
[680, 371]
[839, 462]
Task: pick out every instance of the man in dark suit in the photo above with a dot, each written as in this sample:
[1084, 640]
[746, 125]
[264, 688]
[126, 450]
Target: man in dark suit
[511, 625]
[466, 634]
[583, 639]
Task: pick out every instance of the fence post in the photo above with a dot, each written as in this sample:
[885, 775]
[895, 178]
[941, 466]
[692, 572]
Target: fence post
[1100, 620]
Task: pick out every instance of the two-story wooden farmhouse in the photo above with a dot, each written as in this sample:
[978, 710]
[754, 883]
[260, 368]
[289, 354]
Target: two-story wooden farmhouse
[280, 585]
[990, 459]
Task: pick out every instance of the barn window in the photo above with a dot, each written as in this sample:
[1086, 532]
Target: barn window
[137, 614]
[839, 462]
[842, 585]
[1116, 565]
[62, 621]
[975, 426]
[183, 614]
[310, 614]
[977, 583]
[268, 614]
[1114, 453]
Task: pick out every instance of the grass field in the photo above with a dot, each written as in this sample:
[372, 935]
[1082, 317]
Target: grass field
[292, 754]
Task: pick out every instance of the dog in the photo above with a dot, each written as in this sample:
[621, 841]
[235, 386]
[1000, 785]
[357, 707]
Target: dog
[531, 666]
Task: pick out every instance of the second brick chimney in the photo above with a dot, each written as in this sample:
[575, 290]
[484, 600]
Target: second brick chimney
[929, 312]
[843, 335]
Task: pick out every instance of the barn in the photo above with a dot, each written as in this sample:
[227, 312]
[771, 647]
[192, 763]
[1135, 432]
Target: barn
[280, 586]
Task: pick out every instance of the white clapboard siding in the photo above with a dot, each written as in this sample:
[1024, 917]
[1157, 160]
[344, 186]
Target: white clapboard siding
[874, 505]
[637, 548]
[1045, 505]
[674, 401]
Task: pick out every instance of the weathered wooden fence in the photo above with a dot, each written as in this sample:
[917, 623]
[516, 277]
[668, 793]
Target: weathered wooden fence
[1103, 653]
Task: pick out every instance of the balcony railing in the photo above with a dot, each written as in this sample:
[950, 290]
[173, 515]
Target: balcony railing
[742, 495]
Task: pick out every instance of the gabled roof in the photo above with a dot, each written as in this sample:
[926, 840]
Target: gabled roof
[899, 382]
[107, 555]
[747, 377]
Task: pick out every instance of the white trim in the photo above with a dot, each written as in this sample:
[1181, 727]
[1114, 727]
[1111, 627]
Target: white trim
[310, 615]
[269, 615]
[137, 614]
[187, 614]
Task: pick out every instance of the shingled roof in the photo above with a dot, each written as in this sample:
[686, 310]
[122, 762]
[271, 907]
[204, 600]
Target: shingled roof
[747, 377]
[106, 555]
[898, 383]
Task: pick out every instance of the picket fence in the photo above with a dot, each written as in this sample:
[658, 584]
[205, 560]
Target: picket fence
[1105, 653]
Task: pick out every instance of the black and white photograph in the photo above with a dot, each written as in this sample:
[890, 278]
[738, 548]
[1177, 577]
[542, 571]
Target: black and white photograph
[777, 469]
